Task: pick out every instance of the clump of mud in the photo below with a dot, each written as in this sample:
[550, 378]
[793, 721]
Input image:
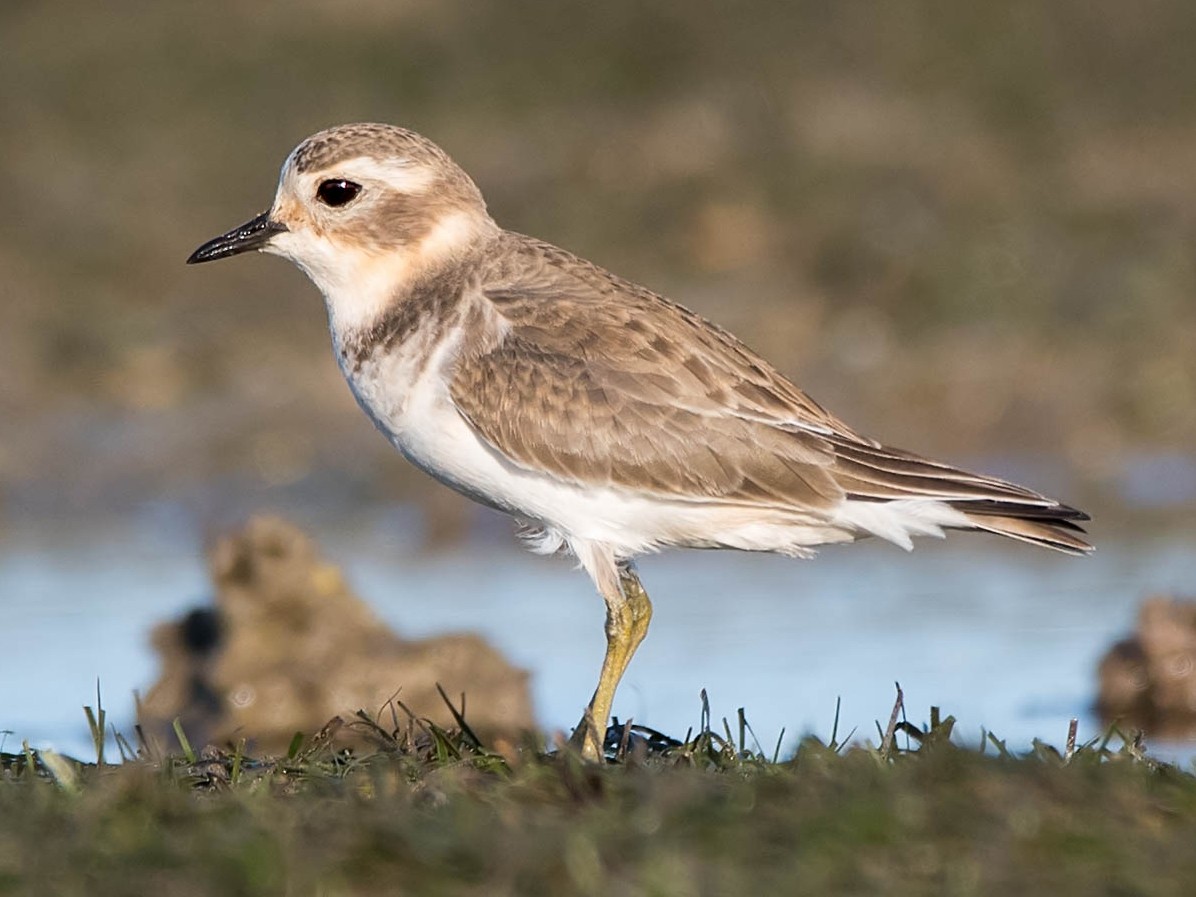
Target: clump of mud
[1148, 680]
[287, 645]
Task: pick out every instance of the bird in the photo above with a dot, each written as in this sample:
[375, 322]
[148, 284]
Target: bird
[611, 421]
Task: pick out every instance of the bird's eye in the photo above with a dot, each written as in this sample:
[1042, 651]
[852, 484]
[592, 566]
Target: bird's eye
[337, 192]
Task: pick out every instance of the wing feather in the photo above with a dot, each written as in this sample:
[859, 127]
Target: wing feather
[600, 382]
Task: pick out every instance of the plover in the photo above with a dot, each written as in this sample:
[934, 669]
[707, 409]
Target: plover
[611, 420]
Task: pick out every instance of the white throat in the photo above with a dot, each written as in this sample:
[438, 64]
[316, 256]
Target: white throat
[359, 284]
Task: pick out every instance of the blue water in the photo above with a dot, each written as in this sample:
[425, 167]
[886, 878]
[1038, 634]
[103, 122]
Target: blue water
[1003, 636]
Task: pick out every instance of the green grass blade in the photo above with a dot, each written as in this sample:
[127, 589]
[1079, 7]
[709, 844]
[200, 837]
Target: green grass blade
[184, 744]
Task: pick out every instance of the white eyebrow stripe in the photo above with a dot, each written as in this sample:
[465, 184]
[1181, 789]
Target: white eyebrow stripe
[404, 176]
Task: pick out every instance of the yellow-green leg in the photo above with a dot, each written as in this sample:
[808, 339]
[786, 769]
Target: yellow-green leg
[628, 613]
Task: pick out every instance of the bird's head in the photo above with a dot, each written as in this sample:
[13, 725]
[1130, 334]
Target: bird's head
[362, 209]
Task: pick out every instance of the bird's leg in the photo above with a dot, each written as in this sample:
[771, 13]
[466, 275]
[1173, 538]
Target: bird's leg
[628, 613]
[641, 606]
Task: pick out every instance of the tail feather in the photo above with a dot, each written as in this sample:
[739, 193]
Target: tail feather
[877, 473]
[1058, 533]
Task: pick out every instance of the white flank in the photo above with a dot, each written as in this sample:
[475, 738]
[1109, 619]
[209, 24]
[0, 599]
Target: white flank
[897, 521]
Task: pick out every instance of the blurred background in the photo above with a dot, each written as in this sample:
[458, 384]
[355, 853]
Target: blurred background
[966, 228]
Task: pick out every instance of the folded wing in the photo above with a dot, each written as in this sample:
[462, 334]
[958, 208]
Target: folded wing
[600, 382]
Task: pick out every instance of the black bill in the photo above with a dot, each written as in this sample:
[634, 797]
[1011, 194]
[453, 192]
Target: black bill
[251, 235]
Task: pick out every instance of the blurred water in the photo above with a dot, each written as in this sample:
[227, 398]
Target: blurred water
[1000, 635]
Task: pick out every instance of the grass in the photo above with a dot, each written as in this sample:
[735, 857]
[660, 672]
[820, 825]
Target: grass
[423, 810]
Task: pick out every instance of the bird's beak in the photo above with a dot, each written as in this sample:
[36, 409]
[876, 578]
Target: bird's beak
[253, 234]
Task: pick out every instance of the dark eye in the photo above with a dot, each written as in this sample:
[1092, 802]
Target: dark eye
[338, 192]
